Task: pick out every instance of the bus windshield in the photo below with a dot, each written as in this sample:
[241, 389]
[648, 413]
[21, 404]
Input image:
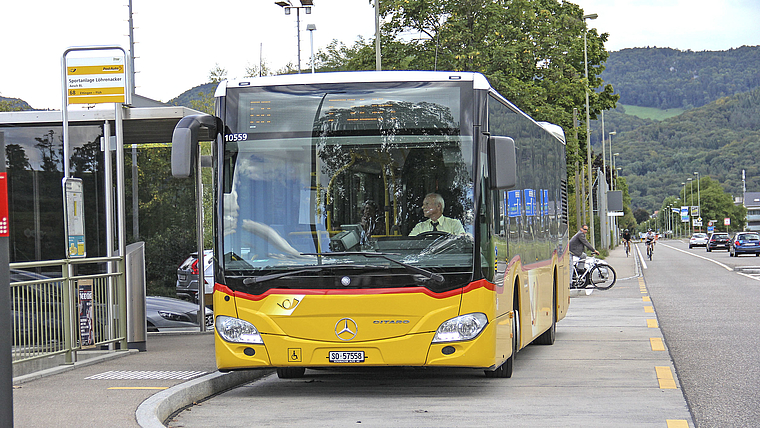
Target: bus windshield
[322, 187]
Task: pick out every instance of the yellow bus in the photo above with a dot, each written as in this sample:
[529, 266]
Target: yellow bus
[321, 181]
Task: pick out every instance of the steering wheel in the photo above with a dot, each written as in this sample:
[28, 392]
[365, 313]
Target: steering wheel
[433, 233]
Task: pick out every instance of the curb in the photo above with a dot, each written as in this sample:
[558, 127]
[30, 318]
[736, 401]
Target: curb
[159, 407]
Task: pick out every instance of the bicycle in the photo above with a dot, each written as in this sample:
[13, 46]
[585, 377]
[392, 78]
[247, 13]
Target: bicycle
[650, 249]
[627, 245]
[592, 272]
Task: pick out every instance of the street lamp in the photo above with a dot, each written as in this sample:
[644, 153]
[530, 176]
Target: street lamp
[611, 161]
[613, 168]
[699, 201]
[287, 6]
[588, 129]
[683, 201]
[311, 28]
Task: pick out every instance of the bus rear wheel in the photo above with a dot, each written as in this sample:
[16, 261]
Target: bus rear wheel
[290, 372]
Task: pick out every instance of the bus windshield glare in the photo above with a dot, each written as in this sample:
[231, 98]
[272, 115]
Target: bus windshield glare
[329, 181]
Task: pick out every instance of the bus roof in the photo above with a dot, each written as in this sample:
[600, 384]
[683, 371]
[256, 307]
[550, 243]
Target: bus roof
[479, 81]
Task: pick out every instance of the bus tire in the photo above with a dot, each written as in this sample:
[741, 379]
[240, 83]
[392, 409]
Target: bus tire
[290, 372]
[505, 370]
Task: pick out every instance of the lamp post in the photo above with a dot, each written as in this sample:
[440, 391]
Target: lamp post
[378, 60]
[614, 169]
[691, 204]
[311, 28]
[683, 201]
[588, 131]
[611, 160]
[287, 6]
[699, 201]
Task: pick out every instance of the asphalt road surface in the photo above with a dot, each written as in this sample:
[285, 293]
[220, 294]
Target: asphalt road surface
[707, 307]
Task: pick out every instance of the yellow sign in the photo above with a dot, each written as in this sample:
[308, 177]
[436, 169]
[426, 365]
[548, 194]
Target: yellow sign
[96, 80]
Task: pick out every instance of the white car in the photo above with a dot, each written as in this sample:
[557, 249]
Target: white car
[698, 240]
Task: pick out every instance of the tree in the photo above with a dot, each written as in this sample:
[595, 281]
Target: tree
[257, 70]
[530, 50]
[641, 215]
[217, 74]
[204, 103]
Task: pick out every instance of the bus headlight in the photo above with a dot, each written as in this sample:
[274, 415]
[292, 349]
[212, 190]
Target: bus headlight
[237, 331]
[463, 327]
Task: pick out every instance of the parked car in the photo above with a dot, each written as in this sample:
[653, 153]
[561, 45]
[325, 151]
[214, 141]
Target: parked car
[698, 240]
[187, 277]
[168, 314]
[745, 243]
[718, 240]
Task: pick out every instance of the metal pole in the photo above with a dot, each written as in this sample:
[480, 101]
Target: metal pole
[111, 266]
[699, 201]
[199, 236]
[311, 28]
[604, 150]
[131, 49]
[6, 326]
[378, 65]
[588, 129]
[578, 177]
[298, 34]
[588, 148]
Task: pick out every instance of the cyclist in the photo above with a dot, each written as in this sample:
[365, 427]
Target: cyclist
[627, 241]
[650, 239]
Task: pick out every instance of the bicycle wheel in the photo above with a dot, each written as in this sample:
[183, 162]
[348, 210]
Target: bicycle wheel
[649, 252]
[602, 276]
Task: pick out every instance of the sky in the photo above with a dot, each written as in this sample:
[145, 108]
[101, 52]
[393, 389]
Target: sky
[178, 42]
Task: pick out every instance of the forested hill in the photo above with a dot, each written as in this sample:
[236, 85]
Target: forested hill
[13, 104]
[719, 140]
[668, 78]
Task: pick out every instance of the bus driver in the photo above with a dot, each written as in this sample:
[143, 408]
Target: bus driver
[432, 208]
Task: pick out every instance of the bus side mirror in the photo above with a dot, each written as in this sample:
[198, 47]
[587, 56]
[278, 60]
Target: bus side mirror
[502, 162]
[185, 142]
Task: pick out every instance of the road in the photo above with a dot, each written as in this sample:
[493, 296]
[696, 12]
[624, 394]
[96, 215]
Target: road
[707, 307]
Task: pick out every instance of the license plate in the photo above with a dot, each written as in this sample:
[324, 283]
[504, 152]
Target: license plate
[346, 356]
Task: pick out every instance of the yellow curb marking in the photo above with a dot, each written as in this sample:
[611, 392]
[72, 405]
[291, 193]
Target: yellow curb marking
[657, 344]
[677, 423]
[665, 377]
[649, 309]
[652, 323]
[646, 299]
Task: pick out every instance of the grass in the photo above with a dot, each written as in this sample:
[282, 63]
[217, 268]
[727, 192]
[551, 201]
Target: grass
[652, 113]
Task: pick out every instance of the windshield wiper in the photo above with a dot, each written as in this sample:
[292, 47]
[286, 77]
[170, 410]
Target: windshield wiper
[424, 272]
[271, 276]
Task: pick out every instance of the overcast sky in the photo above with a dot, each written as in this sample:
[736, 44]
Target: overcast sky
[177, 41]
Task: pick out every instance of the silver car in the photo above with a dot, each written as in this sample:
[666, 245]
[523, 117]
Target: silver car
[169, 314]
[698, 240]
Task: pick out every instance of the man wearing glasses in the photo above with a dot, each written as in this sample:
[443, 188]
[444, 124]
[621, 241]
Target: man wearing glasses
[579, 242]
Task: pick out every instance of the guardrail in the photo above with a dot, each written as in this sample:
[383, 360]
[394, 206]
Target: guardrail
[63, 306]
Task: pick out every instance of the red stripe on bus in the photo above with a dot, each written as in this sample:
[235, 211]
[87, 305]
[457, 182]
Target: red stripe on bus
[407, 290]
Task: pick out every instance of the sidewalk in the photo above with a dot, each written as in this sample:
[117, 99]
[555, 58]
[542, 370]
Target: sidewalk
[176, 368]
[133, 389]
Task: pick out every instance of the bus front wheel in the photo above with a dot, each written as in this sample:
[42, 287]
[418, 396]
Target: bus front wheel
[290, 372]
[505, 370]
